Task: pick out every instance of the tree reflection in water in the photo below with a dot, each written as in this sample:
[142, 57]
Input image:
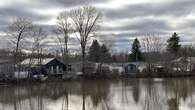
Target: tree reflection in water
[136, 91]
[152, 100]
[98, 92]
[138, 94]
[178, 90]
[65, 101]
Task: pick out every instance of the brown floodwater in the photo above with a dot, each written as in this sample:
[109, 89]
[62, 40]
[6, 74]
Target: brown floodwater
[129, 94]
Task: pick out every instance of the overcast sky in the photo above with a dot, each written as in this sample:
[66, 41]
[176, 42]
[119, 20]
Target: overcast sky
[123, 19]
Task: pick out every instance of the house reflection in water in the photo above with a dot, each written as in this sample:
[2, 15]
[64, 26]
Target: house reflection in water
[143, 94]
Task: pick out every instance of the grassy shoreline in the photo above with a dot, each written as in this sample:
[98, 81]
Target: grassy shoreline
[100, 77]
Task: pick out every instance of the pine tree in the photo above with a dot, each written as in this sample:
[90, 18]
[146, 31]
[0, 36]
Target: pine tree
[173, 44]
[136, 54]
[105, 56]
[94, 51]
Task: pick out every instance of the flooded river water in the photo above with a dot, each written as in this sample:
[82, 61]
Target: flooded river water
[129, 94]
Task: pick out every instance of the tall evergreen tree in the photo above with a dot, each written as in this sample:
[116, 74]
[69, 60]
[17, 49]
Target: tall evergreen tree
[105, 56]
[173, 44]
[94, 51]
[136, 54]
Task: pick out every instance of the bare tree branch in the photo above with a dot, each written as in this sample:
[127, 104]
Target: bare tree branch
[85, 21]
[18, 31]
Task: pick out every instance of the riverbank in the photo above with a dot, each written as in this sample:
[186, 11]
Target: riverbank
[99, 77]
[159, 75]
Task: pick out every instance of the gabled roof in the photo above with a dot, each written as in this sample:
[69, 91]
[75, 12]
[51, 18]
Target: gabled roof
[36, 61]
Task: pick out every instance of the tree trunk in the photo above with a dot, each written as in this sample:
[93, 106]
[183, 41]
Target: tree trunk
[83, 59]
[16, 56]
[66, 53]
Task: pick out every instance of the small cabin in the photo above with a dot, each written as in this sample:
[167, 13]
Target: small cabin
[134, 67]
[47, 66]
[131, 68]
[56, 66]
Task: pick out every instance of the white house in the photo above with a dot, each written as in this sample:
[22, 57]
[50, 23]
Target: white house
[184, 64]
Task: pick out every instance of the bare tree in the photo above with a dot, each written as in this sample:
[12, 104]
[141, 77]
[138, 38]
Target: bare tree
[37, 42]
[63, 30]
[86, 22]
[185, 62]
[153, 46]
[17, 32]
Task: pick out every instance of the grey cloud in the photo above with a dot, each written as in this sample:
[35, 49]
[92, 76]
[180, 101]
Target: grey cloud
[4, 43]
[141, 27]
[150, 25]
[175, 9]
[68, 3]
[26, 10]
[123, 39]
[188, 24]
[12, 12]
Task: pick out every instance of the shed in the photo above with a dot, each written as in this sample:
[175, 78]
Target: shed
[131, 68]
[56, 66]
[50, 66]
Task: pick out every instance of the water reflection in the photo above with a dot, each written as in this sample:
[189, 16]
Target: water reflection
[137, 94]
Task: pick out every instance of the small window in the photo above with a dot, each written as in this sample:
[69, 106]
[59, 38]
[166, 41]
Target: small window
[64, 68]
[54, 69]
[69, 68]
[60, 69]
[132, 67]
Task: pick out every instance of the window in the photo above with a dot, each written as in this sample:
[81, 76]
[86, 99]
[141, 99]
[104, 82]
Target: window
[69, 67]
[54, 69]
[64, 68]
[60, 69]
